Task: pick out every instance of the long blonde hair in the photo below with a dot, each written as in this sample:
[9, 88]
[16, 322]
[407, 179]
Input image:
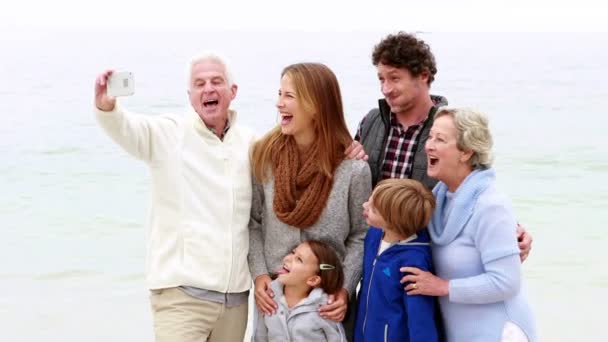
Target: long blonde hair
[318, 89]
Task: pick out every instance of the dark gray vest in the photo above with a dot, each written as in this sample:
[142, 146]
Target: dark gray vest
[374, 136]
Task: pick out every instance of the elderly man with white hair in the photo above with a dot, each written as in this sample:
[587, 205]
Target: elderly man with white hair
[197, 268]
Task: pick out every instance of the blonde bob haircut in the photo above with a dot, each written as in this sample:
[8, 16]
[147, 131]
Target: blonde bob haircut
[406, 205]
[473, 134]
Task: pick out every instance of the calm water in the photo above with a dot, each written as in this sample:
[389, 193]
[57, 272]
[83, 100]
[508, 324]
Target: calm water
[74, 205]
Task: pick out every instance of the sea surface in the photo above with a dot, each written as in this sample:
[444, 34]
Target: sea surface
[73, 206]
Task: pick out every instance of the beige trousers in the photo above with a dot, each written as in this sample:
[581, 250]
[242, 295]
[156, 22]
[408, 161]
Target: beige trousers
[179, 317]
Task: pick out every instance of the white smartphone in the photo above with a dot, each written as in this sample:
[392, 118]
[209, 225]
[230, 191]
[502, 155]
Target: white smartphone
[121, 84]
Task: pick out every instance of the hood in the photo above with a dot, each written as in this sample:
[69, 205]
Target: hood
[316, 298]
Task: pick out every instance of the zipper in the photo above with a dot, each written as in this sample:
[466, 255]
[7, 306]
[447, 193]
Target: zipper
[386, 333]
[371, 279]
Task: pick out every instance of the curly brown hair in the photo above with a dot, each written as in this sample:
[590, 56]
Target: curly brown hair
[404, 50]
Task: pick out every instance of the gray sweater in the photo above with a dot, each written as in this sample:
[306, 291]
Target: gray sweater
[302, 323]
[341, 224]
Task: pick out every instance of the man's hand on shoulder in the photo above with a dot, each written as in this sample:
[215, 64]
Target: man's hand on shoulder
[524, 241]
[355, 151]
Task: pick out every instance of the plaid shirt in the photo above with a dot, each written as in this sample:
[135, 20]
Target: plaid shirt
[399, 151]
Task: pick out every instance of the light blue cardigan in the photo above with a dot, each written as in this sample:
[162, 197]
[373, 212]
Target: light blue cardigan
[477, 252]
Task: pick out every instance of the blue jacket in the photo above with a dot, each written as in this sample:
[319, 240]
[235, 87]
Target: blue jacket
[385, 311]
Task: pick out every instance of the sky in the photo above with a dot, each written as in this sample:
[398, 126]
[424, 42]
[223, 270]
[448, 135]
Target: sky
[306, 15]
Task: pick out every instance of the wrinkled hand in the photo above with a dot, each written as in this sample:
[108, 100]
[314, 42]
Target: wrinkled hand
[524, 240]
[102, 100]
[424, 283]
[336, 306]
[263, 295]
[355, 151]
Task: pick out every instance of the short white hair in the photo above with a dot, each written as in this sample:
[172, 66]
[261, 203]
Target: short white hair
[213, 57]
[473, 134]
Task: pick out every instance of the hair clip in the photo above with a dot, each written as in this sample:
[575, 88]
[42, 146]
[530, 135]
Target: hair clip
[325, 267]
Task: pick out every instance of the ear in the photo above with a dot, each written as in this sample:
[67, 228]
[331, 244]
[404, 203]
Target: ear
[465, 156]
[233, 90]
[424, 76]
[313, 281]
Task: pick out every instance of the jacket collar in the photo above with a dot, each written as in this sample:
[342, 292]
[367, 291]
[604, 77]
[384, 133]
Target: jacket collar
[311, 303]
[201, 127]
[463, 206]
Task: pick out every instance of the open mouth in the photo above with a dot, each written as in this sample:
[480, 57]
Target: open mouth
[433, 161]
[283, 270]
[210, 103]
[286, 119]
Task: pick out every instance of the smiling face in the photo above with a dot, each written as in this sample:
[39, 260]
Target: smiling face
[446, 162]
[296, 118]
[300, 268]
[210, 93]
[401, 90]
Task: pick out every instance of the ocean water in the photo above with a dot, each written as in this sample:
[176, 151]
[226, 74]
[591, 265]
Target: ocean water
[73, 205]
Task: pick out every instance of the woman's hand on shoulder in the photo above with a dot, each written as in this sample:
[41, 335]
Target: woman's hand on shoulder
[421, 282]
[263, 295]
[336, 306]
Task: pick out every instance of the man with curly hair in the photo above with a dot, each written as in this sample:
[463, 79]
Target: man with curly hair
[393, 135]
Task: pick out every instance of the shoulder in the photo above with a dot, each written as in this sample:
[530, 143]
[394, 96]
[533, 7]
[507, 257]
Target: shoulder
[419, 257]
[492, 200]
[245, 132]
[353, 173]
[355, 168]
[372, 114]
[373, 233]
[368, 120]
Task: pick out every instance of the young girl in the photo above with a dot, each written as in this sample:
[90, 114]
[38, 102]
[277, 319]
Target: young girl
[401, 209]
[307, 275]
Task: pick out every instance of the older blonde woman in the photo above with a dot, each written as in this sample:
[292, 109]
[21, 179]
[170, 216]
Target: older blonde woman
[476, 258]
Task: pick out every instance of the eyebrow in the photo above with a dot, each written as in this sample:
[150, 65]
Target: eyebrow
[214, 78]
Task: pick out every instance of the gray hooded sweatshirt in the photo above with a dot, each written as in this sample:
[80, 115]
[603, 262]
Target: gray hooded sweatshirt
[302, 323]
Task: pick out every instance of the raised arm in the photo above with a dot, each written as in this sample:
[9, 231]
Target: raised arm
[145, 137]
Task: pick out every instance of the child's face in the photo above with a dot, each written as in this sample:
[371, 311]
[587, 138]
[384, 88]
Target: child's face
[372, 217]
[300, 267]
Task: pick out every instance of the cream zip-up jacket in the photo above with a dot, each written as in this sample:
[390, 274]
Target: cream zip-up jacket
[201, 197]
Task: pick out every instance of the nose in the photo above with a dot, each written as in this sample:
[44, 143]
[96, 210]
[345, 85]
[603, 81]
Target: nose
[279, 103]
[287, 258]
[386, 88]
[208, 87]
[429, 145]
[365, 205]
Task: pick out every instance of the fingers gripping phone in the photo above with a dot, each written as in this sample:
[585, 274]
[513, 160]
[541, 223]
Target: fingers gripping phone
[121, 84]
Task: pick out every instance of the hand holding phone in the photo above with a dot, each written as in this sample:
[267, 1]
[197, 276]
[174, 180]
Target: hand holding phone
[121, 84]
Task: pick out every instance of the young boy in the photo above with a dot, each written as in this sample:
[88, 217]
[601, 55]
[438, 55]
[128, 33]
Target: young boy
[397, 211]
